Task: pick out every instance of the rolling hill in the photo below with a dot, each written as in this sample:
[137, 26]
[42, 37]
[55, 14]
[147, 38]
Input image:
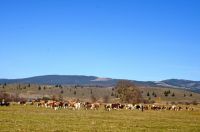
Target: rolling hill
[93, 80]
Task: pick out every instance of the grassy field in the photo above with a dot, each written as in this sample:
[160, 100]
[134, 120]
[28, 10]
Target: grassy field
[31, 118]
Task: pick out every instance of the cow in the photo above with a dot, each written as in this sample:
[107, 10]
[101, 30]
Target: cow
[115, 106]
[57, 105]
[108, 107]
[176, 108]
[92, 106]
[95, 106]
[122, 106]
[129, 106]
[189, 108]
[74, 105]
[77, 106]
[87, 105]
[155, 107]
[42, 103]
[65, 105]
[22, 102]
[4, 103]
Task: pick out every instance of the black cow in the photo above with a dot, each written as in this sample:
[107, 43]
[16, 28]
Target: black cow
[4, 103]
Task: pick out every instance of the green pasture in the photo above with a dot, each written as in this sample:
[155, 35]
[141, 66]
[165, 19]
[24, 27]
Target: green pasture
[30, 118]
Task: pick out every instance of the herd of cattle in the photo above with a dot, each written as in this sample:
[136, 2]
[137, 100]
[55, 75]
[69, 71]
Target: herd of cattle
[76, 105]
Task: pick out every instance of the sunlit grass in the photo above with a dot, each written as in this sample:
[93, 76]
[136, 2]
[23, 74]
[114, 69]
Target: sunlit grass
[31, 118]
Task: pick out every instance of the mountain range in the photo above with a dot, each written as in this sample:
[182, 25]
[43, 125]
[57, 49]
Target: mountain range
[93, 80]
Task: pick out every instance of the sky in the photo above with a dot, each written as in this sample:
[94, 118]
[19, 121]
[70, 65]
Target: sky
[128, 39]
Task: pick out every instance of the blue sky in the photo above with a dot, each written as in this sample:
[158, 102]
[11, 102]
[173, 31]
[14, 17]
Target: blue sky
[129, 39]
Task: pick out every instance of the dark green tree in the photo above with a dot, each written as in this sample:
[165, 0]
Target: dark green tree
[39, 88]
[91, 91]
[148, 94]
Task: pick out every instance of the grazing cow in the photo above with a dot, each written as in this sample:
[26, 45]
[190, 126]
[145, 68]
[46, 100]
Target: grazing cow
[108, 107]
[115, 106]
[92, 106]
[77, 106]
[95, 106]
[176, 108]
[122, 106]
[146, 107]
[129, 106]
[74, 105]
[22, 102]
[65, 105]
[155, 107]
[57, 105]
[189, 108]
[41, 103]
[87, 105]
[4, 103]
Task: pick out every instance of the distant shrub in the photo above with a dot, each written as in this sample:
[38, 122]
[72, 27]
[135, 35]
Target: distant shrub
[187, 103]
[173, 103]
[91, 91]
[166, 93]
[39, 88]
[46, 98]
[181, 102]
[194, 102]
[152, 101]
[148, 94]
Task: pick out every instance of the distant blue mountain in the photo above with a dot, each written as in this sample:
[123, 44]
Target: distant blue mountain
[64, 80]
[93, 80]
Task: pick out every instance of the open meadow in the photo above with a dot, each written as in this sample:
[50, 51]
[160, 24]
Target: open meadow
[31, 118]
